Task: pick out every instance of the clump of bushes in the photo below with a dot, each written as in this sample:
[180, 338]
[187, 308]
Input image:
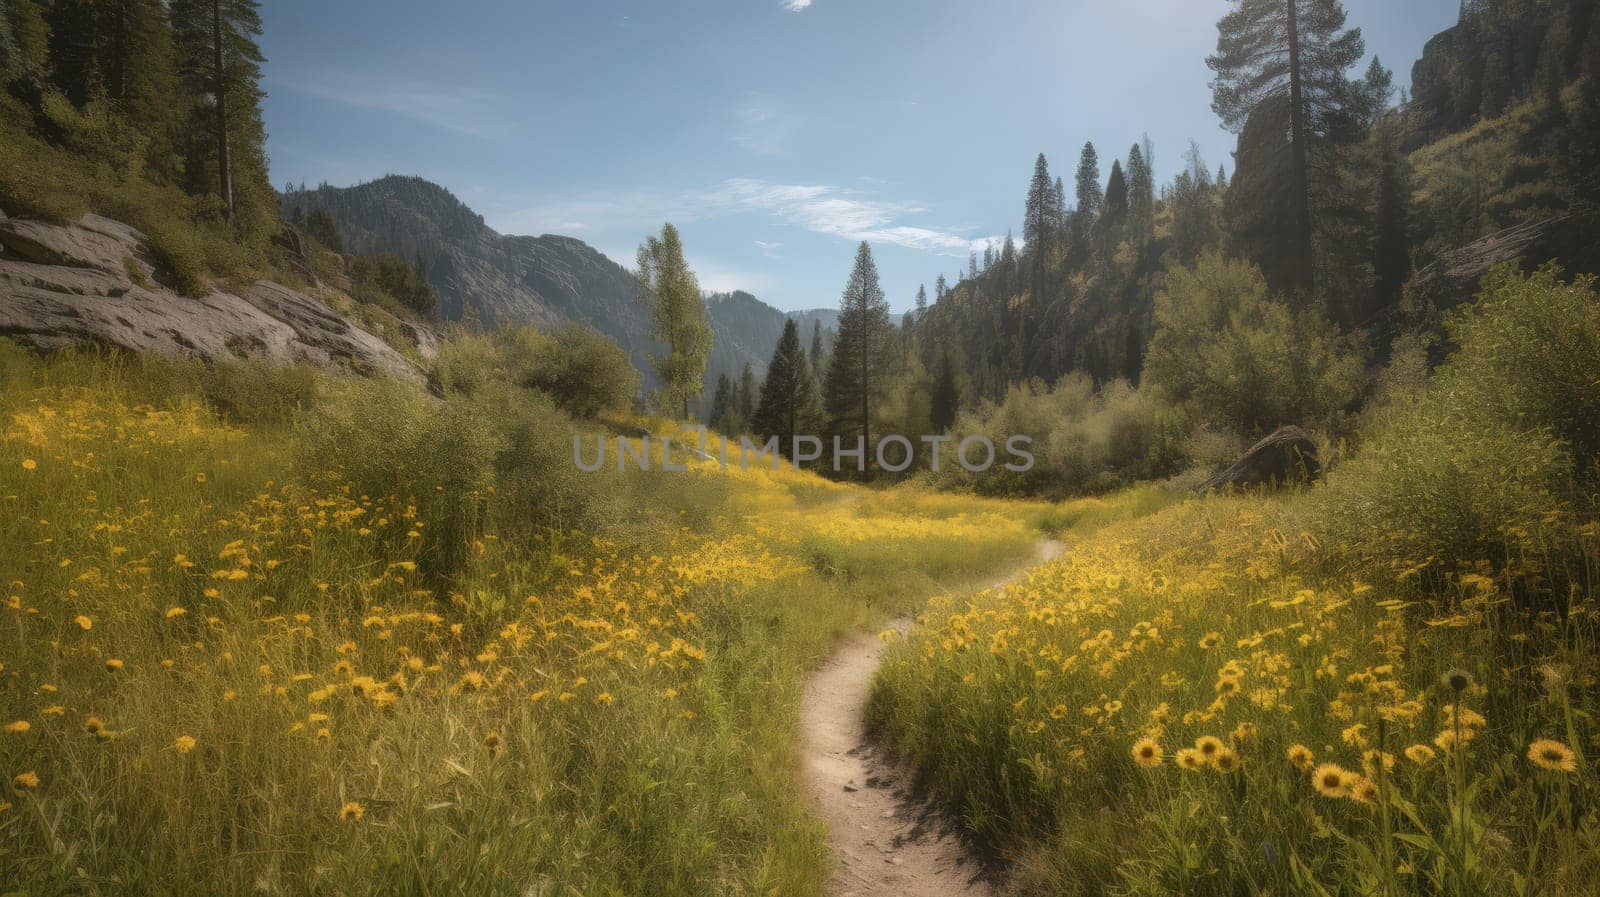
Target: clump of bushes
[1482, 465]
[1085, 440]
[387, 280]
[582, 371]
[1243, 361]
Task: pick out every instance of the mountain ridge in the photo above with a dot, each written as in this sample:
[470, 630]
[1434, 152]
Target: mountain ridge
[497, 279]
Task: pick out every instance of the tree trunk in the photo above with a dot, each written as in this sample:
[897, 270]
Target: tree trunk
[219, 88]
[866, 389]
[1297, 137]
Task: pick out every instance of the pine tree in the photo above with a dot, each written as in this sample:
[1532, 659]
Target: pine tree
[816, 358]
[1294, 52]
[946, 401]
[220, 63]
[1090, 196]
[1141, 196]
[679, 318]
[136, 61]
[788, 396]
[1580, 162]
[1114, 211]
[922, 303]
[1391, 261]
[722, 409]
[747, 393]
[30, 35]
[859, 363]
[73, 48]
[1040, 216]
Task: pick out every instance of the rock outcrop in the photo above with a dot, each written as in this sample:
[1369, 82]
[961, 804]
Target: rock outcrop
[1287, 456]
[92, 282]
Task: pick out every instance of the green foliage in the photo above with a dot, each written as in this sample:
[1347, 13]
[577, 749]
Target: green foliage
[1241, 360]
[788, 394]
[679, 318]
[1528, 357]
[583, 372]
[1480, 463]
[386, 279]
[862, 356]
[1084, 440]
[380, 435]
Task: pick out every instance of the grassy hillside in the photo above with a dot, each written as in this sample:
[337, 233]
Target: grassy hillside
[307, 644]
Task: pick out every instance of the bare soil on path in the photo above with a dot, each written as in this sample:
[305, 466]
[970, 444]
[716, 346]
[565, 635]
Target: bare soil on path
[886, 842]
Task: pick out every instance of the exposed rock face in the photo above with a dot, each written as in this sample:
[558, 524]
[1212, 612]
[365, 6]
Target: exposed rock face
[1287, 456]
[90, 282]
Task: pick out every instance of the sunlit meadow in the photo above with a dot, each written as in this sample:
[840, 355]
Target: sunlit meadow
[226, 669]
[1207, 700]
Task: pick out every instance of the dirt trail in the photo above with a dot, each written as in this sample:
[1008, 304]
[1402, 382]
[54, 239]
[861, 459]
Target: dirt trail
[886, 844]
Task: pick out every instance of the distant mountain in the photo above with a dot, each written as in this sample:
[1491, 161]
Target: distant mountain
[542, 281]
[483, 275]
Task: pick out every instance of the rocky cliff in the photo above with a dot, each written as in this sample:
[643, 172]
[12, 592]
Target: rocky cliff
[92, 282]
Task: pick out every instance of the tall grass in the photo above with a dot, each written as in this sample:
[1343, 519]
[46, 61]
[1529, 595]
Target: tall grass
[365, 648]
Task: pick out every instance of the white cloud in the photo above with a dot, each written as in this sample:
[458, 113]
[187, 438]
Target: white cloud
[819, 208]
[796, 5]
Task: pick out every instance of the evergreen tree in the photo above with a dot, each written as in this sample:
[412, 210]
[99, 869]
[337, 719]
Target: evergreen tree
[922, 303]
[73, 45]
[135, 60]
[221, 65]
[1040, 216]
[1090, 196]
[946, 397]
[859, 362]
[722, 406]
[1580, 161]
[1114, 211]
[1294, 53]
[30, 35]
[1141, 196]
[679, 318]
[789, 394]
[747, 391]
[1391, 262]
[816, 342]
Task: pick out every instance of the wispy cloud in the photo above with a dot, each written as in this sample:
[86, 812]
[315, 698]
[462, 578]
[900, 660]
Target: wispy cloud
[464, 110]
[796, 5]
[818, 208]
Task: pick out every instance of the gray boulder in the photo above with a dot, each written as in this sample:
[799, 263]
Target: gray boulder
[1287, 456]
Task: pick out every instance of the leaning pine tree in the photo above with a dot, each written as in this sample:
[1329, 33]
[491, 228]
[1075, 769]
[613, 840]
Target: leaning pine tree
[679, 319]
[860, 352]
[788, 395]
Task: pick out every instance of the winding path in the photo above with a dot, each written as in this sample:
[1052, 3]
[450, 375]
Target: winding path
[886, 843]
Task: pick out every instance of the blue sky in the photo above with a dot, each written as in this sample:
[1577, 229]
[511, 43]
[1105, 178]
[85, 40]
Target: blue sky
[774, 133]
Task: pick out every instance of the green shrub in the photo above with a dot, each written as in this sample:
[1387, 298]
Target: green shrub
[582, 371]
[1446, 489]
[1480, 464]
[390, 281]
[1084, 440]
[390, 442]
[1529, 357]
[1240, 360]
